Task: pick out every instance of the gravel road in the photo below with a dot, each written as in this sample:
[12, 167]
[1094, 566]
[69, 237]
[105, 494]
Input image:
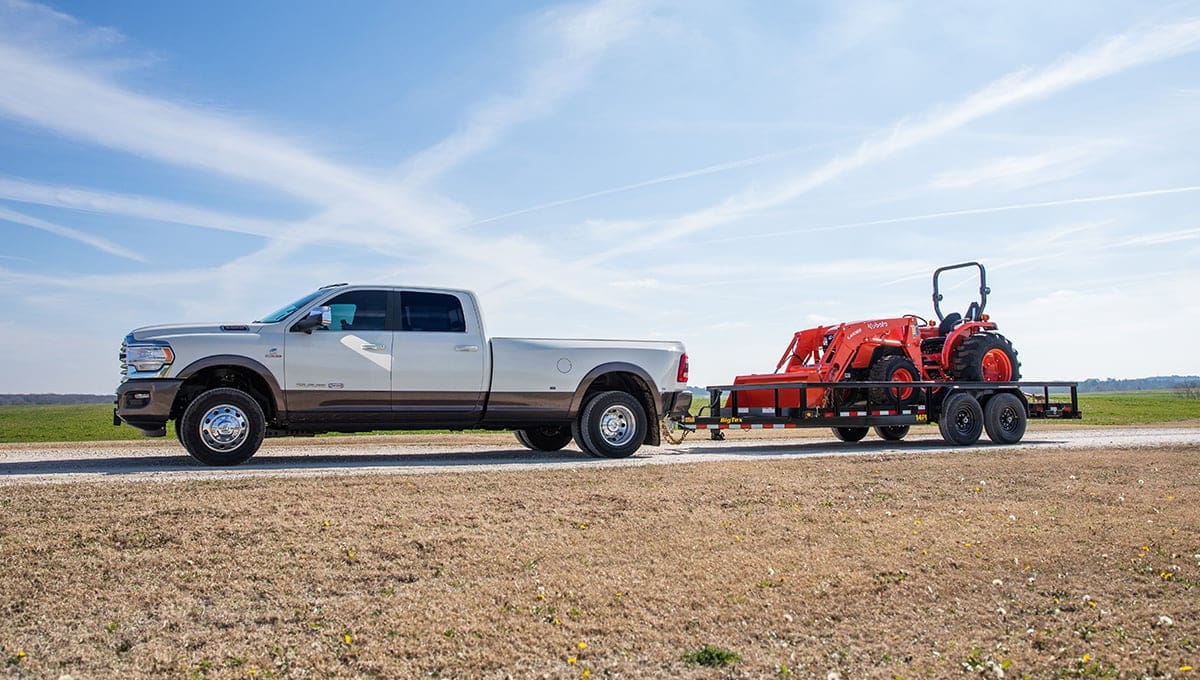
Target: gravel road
[164, 460]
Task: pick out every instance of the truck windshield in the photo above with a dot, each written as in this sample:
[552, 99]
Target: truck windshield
[286, 311]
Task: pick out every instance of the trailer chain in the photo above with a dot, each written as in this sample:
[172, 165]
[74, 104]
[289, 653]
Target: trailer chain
[671, 438]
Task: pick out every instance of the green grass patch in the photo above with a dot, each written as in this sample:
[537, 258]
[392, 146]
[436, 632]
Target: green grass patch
[713, 657]
[1136, 408]
[64, 423]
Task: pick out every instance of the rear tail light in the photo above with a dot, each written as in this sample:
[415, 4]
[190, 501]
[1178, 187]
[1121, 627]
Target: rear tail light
[682, 376]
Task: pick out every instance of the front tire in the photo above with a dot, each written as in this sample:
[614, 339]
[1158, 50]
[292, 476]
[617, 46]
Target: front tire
[961, 421]
[544, 438]
[223, 426]
[894, 368]
[1004, 416]
[611, 425]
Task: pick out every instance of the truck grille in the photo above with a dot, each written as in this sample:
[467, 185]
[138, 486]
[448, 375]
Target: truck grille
[124, 364]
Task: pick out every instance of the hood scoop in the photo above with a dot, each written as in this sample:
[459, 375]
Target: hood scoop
[235, 327]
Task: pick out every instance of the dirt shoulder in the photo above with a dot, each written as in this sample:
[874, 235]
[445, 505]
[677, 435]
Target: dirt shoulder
[1043, 562]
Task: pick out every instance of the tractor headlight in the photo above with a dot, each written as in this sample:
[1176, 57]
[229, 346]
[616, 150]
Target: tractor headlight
[148, 358]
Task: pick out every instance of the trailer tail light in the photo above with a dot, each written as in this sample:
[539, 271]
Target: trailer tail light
[682, 376]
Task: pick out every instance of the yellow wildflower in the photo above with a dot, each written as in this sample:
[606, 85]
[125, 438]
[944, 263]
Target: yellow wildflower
[582, 646]
[587, 673]
[347, 639]
[571, 660]
[1086, 658]
[1185, 669]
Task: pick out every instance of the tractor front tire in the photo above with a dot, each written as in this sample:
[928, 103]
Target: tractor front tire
[894, 368]
[985, 357]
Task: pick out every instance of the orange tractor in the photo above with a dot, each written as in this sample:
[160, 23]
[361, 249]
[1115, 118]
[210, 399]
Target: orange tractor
[962, 348]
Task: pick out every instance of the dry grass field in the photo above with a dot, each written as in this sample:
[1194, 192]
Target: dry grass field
[1040, 564]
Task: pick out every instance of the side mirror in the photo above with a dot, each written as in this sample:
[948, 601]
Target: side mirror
[318, 317]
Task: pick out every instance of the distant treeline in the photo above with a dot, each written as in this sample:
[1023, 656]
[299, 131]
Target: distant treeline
[53, 399]
[1161, 382]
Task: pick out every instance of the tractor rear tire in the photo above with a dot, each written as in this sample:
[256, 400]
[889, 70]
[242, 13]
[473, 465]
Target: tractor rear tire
[1004, 416]
[544, 438]
[850, 434]
[961, 421]
[985, 357]
[891, 433]
[894, 368]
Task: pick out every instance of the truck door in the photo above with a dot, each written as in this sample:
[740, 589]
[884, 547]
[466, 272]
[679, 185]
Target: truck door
[343, 372]
[438, 360]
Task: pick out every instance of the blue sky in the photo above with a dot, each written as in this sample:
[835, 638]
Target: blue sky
[723, 173]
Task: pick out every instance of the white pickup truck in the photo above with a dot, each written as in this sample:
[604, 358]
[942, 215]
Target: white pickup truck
[359, 358]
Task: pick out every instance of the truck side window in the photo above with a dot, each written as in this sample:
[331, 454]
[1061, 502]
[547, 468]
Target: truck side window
[432, 313]
[359, 310]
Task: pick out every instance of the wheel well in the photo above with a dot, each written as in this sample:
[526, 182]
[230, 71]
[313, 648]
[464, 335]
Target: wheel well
[634, 385]
[225, 376]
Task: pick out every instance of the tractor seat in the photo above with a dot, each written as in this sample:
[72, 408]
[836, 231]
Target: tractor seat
[952, 319]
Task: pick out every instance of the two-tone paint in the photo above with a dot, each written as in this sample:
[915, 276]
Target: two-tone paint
[331, 379]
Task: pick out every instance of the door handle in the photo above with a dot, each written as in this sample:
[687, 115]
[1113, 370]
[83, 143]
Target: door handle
[372, 347]
[466, 348]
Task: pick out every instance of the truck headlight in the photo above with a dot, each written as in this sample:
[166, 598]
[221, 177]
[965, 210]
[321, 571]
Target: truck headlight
[148, 358]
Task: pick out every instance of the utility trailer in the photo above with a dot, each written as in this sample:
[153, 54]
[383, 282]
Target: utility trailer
[962, 410]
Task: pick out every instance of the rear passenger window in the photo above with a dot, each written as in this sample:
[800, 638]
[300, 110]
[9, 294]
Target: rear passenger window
[359, 310]
[432, 313]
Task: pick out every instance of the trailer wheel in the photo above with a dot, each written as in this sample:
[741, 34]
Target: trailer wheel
[223, 426]
[611, 425]
[892, 433]
[894, 368]
[1004, 417]
[850, 434]
[544, 438]
[961, 421]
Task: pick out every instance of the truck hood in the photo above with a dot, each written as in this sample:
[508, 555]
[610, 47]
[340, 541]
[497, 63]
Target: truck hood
[175, 330]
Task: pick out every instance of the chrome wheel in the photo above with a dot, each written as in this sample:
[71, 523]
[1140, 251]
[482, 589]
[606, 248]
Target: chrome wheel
[618, 425]
[224, 427]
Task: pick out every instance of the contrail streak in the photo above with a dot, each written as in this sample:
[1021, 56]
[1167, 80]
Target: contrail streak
[968, 211]
[708, 170]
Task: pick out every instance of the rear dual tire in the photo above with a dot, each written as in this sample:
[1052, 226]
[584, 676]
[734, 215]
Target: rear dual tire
[544, 438]
[612, 424]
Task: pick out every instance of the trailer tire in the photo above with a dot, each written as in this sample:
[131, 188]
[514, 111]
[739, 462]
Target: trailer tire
[850, 434]
[961, 420]
[891, 433]
[1004, 417]
[223, 426]
[611, 425]
[898, 368]
[544, 437]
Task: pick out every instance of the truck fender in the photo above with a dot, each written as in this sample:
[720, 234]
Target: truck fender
[644, 389]
[219, 360]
